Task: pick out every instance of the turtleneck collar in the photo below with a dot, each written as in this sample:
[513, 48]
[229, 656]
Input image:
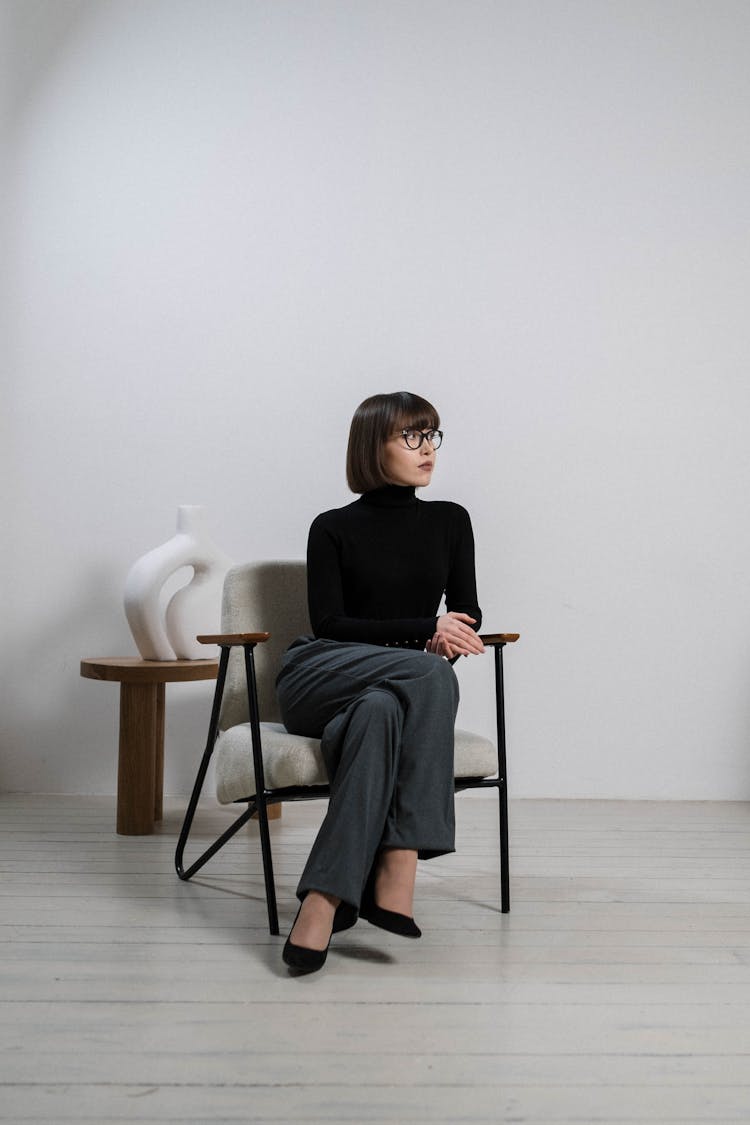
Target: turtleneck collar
[391, 496]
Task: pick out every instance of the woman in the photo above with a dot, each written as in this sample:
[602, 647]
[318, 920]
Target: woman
[373, 683]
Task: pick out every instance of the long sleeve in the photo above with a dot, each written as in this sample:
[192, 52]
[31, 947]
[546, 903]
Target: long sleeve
[461, 587]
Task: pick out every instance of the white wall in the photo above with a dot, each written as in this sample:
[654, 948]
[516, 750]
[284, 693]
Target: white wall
[229, 222]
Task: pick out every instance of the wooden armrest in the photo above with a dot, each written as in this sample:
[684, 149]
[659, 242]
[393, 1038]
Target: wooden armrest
[491, 639]
[233, 638]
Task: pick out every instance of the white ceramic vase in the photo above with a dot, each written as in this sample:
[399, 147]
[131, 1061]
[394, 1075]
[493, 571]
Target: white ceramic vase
[169, 634]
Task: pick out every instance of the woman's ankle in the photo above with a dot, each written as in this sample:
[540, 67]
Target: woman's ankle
[394, 880]
[314, 922]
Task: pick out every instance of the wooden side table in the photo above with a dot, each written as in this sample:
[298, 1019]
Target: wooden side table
[140, 771]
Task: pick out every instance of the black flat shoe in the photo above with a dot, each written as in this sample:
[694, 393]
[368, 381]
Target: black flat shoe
[302, 959]
[389, 920]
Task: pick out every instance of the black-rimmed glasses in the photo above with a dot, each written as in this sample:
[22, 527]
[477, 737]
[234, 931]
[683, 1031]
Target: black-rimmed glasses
[414, 438]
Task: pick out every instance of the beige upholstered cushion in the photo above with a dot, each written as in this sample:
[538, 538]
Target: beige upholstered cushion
[474, 756]
[261, 597]
[290, 759]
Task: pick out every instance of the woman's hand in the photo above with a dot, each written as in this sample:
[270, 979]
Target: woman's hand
[454, 636]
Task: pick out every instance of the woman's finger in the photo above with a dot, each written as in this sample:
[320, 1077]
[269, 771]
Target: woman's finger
[469, 639]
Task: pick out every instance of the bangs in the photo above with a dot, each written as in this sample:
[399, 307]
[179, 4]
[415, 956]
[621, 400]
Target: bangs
[423, 416]
[419, 422]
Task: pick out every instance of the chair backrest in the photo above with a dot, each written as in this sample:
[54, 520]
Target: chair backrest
[269, 597]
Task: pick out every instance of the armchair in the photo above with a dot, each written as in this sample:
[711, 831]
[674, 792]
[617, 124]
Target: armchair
[258, 763]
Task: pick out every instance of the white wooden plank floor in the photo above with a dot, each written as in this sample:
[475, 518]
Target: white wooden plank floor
[616, 991]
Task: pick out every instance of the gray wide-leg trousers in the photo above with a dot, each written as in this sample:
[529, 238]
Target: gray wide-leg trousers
[385, 718]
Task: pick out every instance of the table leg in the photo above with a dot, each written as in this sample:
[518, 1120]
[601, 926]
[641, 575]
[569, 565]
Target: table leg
[159, 753]
[136, 772]
[273, 812]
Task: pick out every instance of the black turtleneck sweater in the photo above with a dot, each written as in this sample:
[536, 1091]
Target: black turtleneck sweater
[378, 568]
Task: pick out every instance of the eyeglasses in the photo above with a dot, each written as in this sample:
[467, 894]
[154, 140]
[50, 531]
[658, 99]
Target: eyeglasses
[414, 438]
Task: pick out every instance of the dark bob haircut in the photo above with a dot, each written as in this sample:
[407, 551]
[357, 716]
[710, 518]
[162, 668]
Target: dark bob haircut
[375, 421]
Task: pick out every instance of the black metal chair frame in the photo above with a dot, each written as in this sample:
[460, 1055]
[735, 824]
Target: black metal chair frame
[264, 797]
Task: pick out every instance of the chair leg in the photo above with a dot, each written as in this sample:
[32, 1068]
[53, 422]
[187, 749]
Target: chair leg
[213, 728]
[503, 777]
[265, 847]
[260, 790]
[257, 805]
[504, 864]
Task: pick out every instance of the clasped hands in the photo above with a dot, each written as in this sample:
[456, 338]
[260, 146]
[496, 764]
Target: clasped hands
[454, 636]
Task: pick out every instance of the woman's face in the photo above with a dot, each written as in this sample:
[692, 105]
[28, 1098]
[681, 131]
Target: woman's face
[407, 466]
